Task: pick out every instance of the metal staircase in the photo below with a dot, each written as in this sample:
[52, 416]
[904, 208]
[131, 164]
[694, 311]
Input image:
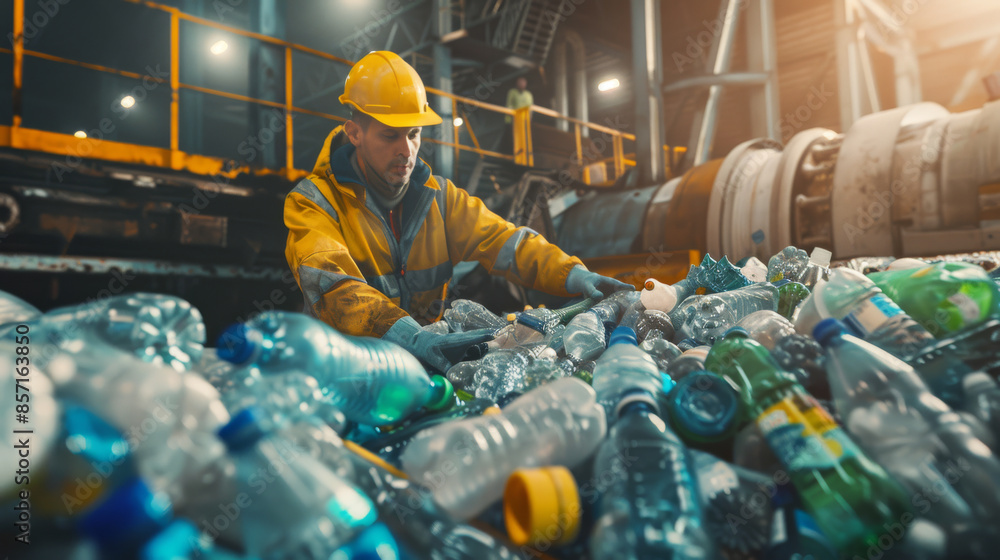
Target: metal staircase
[527, 28]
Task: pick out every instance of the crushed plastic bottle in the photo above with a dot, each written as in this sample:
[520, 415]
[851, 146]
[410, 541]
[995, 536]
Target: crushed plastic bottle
[465, 315]
[556, 424]
[707, 317]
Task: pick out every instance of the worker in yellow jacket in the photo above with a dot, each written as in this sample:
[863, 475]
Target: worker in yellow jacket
[373, 234]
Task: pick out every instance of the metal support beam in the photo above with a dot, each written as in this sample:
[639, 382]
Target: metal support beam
[444, 159]
[849, 80]
[703, 133]
[647, 76]
[97, 265]
[730, 79]
[267, 70]
[762, 57]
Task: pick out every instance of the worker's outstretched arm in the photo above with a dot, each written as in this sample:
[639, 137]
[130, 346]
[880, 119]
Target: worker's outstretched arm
[518, 253]
[331, 283]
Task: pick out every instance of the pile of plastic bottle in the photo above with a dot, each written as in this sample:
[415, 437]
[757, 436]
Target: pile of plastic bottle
[784, 411]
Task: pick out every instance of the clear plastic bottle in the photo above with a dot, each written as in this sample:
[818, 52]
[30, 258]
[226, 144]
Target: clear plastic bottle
[982, 400]
[854, 299]
[796, 265]
[156, 328]
[623, 368]
[704, 408]
[371, 381]
[892, 415]
[707, 317]
[285, 398]
[465, 463]
[653, 320]
[766, 327]
[650, 509]
[502, 371]
[465, 315]
[546, 368]
[868, 314]
[306, 511]
[661, 350]
[584, 336]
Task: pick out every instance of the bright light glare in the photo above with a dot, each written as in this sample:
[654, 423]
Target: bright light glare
[80, 134]
[219, 47]
[608, 85]
[128, 101]
[459, 121]
[829, 135]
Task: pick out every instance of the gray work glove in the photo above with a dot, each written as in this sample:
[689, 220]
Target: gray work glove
[439, 351]
[591, 284]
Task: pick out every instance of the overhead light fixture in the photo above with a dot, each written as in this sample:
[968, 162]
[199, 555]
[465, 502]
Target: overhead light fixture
[128, 101]
[608, 85]
[459, 121]
[219, 47]
[80, 134]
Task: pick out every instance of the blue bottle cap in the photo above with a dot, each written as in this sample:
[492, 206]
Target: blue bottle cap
[825, 330]
[233, 345]
[244, 429]
[704, 406]
[739, 332]
[623, 335]
[129, 516]
[531, 322]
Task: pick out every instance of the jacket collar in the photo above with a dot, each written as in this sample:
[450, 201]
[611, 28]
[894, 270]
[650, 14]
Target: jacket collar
[334, 162]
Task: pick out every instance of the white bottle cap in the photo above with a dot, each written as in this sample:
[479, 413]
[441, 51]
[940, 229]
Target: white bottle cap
[906, 264]
[821, 257]
[658, 296]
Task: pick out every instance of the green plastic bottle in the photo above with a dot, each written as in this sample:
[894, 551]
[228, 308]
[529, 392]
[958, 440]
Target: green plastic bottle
[943, 297]
[851, 497]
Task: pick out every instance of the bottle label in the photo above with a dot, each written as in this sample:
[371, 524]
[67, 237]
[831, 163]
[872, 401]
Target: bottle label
[872, 314]
[803, 435]
[966, 306]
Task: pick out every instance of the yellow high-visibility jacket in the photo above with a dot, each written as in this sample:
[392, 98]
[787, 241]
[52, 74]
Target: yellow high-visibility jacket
[355, 275]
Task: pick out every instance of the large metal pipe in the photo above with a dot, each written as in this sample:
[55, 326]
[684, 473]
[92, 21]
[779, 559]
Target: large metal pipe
[911, 181]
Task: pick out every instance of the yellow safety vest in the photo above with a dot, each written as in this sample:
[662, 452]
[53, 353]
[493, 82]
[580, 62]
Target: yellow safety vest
[357, 277]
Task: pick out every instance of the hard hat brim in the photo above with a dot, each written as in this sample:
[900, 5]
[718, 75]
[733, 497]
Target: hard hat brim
[406, 120]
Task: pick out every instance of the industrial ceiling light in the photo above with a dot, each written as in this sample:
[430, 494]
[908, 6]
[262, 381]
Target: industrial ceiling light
[219, 47]
[80, 134]
[128, 101]
[608, 85]
[459, 121]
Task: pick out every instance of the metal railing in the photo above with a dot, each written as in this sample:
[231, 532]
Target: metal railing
[18, 136]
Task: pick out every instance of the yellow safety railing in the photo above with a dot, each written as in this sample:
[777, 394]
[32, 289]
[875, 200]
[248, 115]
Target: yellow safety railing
[18, 136]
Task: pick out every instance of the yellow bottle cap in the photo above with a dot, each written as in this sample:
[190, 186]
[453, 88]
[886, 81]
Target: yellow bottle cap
[542, 506]
[527, 308]
[491, 410]
[511, 317]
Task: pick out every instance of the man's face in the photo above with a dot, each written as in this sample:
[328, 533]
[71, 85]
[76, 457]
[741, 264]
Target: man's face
[390, 153]
[522, 83]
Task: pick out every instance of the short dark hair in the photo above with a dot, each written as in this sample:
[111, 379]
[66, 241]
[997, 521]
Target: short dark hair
[361, 119]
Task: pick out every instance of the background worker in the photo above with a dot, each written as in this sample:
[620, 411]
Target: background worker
[373, 234]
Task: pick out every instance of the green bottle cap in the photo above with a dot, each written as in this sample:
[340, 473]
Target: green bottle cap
[442, 394]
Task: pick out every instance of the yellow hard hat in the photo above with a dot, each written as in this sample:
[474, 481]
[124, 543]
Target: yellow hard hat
[383, 86]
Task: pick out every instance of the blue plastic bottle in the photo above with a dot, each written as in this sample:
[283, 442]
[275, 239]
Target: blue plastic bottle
[650, 509]
[305, 511]
[624, 367]
[371, 381]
